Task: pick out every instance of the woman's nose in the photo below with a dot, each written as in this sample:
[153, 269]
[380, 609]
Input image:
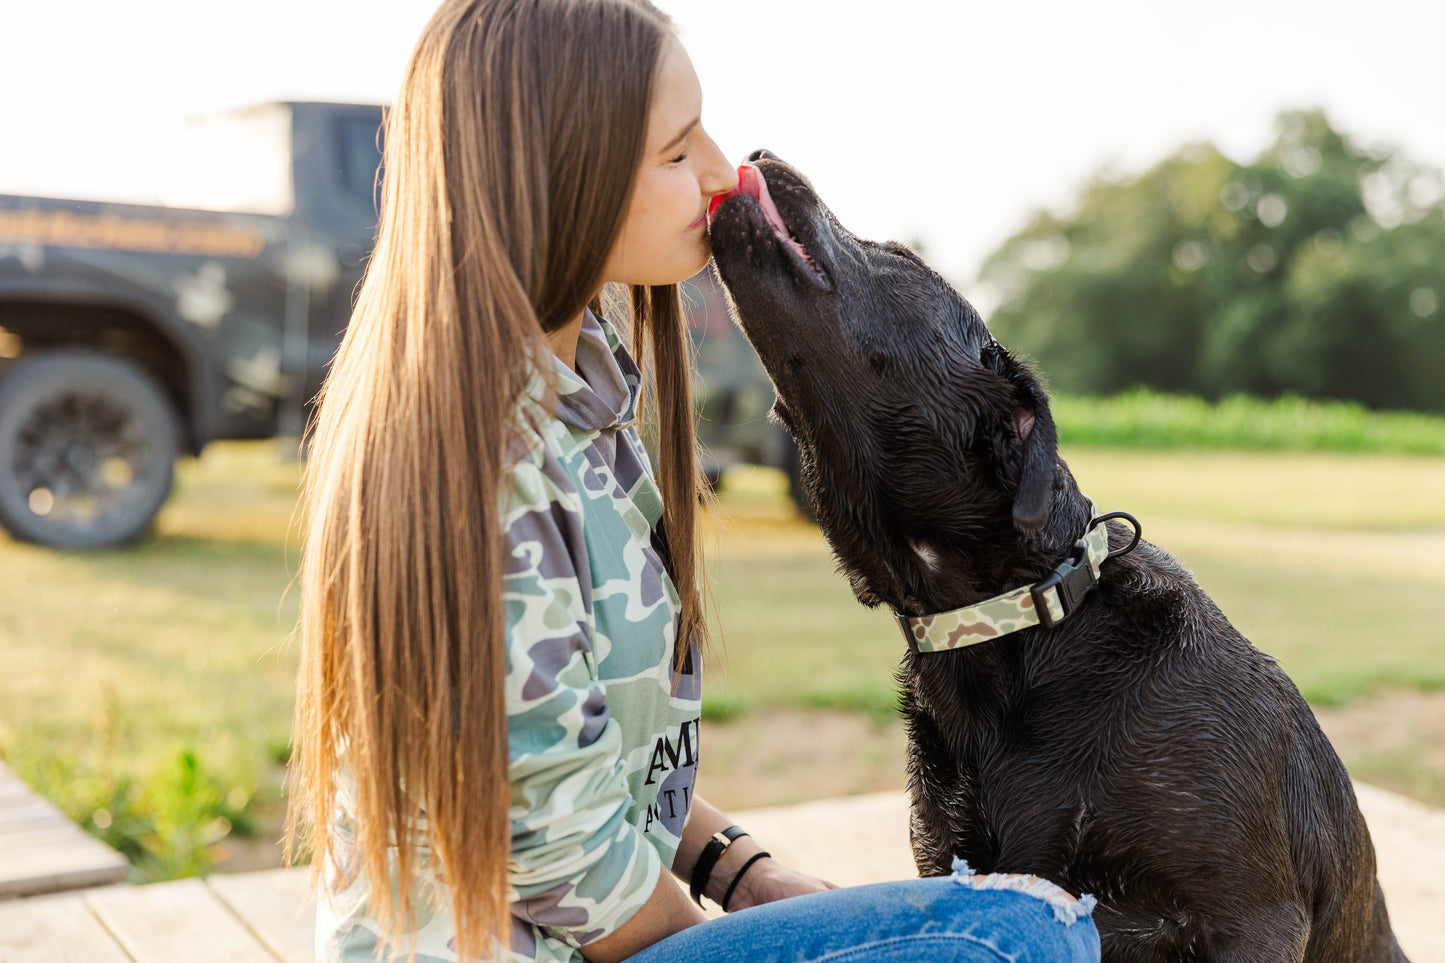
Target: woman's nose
[760, 153]
[722, 176]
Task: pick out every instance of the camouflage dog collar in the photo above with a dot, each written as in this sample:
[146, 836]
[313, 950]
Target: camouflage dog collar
[1045, 603]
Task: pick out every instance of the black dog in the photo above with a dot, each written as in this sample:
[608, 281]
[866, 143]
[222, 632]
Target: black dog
[1137, 747]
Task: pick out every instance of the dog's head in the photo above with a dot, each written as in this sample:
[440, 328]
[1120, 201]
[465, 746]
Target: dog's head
[911, 420]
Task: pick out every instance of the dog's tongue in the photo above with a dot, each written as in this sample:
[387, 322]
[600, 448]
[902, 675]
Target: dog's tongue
[751, 183]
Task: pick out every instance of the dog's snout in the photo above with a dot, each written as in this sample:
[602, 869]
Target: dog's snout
[761, 153]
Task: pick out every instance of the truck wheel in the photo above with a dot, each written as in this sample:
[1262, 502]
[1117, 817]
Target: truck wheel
[88, 445]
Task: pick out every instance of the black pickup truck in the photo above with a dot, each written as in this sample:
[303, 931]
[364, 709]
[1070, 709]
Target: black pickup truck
[132, 334]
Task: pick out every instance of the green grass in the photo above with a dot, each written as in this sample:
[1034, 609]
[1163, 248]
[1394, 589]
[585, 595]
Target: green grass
[1142, 419]
[1302, 490]
[1335, 564]
[792, 633]
[148, 691]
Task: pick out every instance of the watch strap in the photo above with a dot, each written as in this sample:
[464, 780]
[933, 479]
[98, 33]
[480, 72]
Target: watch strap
[707, 860]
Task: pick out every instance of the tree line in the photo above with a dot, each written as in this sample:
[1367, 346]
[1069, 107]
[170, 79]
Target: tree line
[1316, 270]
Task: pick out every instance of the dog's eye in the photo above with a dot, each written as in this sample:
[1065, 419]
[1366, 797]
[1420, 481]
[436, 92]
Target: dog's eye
[878, 361]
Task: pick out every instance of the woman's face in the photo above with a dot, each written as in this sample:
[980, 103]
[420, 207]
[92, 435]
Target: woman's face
[664, 235]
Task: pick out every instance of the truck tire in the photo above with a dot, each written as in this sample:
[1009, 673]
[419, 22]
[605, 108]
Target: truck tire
[88, 445]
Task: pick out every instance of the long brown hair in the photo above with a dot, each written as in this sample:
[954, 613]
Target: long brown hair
[510, 158]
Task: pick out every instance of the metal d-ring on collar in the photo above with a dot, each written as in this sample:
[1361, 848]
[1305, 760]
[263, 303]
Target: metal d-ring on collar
[1045, 603]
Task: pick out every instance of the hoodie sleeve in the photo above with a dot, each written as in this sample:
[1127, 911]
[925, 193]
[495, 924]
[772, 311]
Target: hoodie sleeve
[579, 868]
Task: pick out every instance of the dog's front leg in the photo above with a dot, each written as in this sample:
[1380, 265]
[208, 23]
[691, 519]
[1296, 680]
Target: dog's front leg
[1277, 933]
[944, 821]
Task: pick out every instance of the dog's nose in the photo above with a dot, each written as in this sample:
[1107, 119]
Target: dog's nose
[759, 154]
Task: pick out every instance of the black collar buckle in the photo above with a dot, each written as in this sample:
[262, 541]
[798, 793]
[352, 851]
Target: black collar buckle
[907, 627]
[1072, 580]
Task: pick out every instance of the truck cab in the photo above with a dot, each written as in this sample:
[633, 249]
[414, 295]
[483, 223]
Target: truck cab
[131, 334]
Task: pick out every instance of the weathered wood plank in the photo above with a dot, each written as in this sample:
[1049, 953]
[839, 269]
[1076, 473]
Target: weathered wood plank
[1409, 840]
[178, 921]
[13, 789]
[41, 851]
[274, 904]
[55, 930]
[19, 809]
[53, 868]
[39, 834]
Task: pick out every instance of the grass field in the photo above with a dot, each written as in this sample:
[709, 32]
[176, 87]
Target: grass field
[148, 690]
[1143, 419]
[1333, 563]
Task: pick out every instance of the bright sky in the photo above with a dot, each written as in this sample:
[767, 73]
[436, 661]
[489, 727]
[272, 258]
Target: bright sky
[942, 120]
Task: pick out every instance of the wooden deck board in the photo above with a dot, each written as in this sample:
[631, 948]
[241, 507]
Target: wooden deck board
[264, 917]
[18, 810]
[55, 930]
[1409, 840]
[29, 836]
[273, 904]
[41, 851]
[177, 921]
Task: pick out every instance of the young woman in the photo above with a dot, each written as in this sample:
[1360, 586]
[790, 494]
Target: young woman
[498, 703]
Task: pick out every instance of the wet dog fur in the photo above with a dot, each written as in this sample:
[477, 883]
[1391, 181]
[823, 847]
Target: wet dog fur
[1142, 750]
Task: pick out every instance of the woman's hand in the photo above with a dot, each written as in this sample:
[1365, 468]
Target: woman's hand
[764, 881]
[768, 880]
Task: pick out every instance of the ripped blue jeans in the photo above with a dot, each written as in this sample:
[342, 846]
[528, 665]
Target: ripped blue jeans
[943, 918]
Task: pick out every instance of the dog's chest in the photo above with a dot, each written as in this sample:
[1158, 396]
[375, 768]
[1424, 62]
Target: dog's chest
[994, 786]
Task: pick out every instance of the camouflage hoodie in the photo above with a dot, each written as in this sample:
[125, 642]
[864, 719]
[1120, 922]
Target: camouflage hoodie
[603, 751]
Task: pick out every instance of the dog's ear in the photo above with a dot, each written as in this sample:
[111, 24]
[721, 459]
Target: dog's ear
[1038, 441]
[1037, 435]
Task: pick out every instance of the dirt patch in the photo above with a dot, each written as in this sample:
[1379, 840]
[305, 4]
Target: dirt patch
[787, 755]
[1394, 740]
